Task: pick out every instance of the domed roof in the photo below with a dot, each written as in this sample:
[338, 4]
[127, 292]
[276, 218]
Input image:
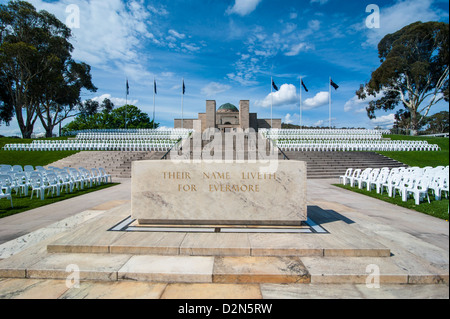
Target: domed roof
[228, 107]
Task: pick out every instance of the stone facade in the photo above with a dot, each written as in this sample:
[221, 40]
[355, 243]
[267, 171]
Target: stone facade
[228, 118]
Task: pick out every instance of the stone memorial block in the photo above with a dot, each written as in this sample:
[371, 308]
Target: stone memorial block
[209, 193]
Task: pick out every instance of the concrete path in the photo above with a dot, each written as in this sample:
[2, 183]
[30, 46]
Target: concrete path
[401, 229]
[12, 227]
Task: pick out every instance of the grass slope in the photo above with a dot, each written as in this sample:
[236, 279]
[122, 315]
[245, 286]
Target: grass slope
[30, 158]
[421, 159]
[435, 208]
[22, 204]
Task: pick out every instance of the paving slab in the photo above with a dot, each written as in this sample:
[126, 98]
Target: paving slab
[103, 267]
[212, 291]
[168, 269]
[259, 270]
[147, 243]
[115, 290]
[264, 244]
[353, 291]
[354, 270]
[92, 237]
[215, 244]
[32, 289]
[19, 244]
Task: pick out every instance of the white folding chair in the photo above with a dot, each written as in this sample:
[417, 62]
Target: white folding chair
[419, 189]
[346, 176]
[5, 192]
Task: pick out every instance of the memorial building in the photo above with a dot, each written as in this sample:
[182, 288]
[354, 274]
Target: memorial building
[228, 118]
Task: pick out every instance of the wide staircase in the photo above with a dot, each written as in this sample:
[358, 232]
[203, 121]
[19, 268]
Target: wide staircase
[116, 163]
[334, 164]
[319, 164]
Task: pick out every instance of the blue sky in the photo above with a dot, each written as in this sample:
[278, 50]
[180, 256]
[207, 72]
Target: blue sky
[227, 50]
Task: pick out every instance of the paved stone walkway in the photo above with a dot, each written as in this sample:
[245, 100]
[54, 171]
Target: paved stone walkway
[402, 229]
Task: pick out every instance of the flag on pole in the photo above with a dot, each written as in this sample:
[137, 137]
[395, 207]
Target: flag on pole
[154, 87]
[304, 86]
[274, 86]
[128, 88]
[184, 88]
[334, 85]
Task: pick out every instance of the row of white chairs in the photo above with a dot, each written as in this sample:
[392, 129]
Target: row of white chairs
[137, 130]
[134, 134]
[73, 145]
[128, 137]
[323, 136]
[354, 145]
[323, 133]
[53, 180]
[414, 181]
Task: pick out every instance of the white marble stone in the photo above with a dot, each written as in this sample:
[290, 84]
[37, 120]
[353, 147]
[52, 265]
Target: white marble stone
[169, 192]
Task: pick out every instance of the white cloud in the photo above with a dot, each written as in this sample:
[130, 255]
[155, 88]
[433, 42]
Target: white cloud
[356, 105]
[287, 94]
[109, 31]
[243, 7]
[287, 119]
[118, 102]
[314, 25]
[320, 99]
[159, 11]
[319, 1]
[245, 70]
[297, 48]
[291, 119]
[289, 28]
[190, 47]
[401, 14]
[319, 123]
[176, 34]
[385, 121]
[214, 88]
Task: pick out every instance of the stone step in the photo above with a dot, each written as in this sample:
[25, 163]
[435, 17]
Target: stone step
[219, 269]
[117, 163]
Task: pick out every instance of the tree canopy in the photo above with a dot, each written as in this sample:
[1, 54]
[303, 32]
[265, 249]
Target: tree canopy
[110, 118]
[38, 77]
[414, 71]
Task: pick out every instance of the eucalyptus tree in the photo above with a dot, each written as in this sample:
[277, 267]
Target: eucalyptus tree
[414, 71]
[59, 97]
[38, 76]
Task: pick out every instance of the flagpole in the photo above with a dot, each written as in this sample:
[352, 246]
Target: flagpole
[154, 94]
[271, 103]
[126, 104]
[329, 83]
[182, 102]
[300, 102]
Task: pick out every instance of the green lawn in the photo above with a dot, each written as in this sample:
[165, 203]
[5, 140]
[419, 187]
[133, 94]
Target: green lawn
[437, 209]
[30, 158]
[421, 159]
[22, 203]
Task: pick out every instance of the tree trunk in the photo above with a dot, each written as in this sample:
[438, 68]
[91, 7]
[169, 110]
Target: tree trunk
[414, 123]
[49, 132]
[26, 126]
